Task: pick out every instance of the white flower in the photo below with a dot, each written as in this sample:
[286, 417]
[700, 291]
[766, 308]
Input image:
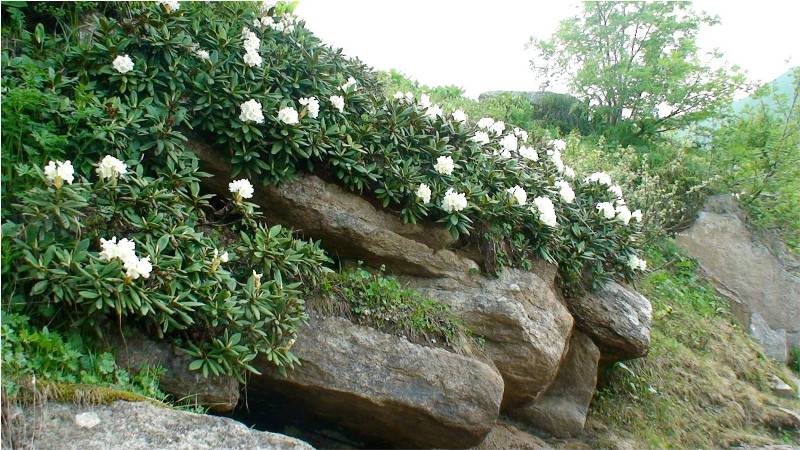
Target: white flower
[569, 172]
[241, 188]
[338, 102]
[264, 23]
[498, 127]
[122, 250]
[444, 165]
[224, 257]
[434, 111]
[409, 97]
[528, 153]
[607, 209]
[122, 64]
[202, 54]
[350, 82]
[623, 214]
[312, 104]
[558, 144]
[599, 177]
[616, 190]
[58, 172]
[637, 215]
[565, 191]
[518, 194]
[522, 134]
[424, 193]
[251, 42]
[459, 116]
[547, 212]
[635, 263]
[288, 116]
[453, 201]
[481, 137]
[170, 5]
[253, 59]
[509, 142]
[251, 112]
[555, 156]
[424, 100]
[266, 5]
[485, 123]
[398, 95]
[111, 167]
[137, 267]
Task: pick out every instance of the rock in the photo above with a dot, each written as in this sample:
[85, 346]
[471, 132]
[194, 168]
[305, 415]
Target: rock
[525, 326]
[617, 319]
[348, 224]
[384, 387]
[218, 393]
[561, 410]
[782, 419]
[773, 341]
[140, 426]
[87, 419]
[745, 268]
[506, 436]
[780, 388]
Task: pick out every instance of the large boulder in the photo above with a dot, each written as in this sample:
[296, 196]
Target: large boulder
[618, 319]
[525, 325]
[348, 224]
[133, 426]
[384, 387]
[773, 341]
[218, 393]
[561, 410]
[749, 270]
[504, 435]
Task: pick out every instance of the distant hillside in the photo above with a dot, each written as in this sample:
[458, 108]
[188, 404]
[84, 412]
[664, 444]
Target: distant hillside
[782, 85]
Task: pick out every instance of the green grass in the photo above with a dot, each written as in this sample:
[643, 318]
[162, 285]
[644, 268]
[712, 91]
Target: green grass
[375, 300]
[704, 383]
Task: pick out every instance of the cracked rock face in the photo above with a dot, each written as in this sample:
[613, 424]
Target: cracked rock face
[617, 319]
[383, 386]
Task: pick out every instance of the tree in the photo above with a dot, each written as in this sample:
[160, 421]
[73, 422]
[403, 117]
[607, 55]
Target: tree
[637, 66]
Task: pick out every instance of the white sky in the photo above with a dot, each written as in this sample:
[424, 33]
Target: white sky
[480, 45]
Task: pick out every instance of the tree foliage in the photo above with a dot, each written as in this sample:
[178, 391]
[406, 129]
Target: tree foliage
[637, 66]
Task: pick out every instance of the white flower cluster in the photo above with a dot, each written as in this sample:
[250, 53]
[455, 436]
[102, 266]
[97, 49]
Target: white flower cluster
[111, 168]
[528, 153]
[607, 209]
[122, 64]
[434, 111]
[241, 189]
[251, 112]
[58, 172]
[599, 177]
[459, 116]
[289, 116]
[251, 46]
[348, 84]
[338, 102]
[408, 97]
[518, 194]
[170, 5]
[200, 53]
[481, 137]
[565, 191]
[125, 251]
[546, 210]
[266, 5]
[444, 165]
[636, 263]
[424, 193]
[312, 106]
[454, 201]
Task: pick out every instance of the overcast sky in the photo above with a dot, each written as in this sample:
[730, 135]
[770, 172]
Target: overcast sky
[480, 45]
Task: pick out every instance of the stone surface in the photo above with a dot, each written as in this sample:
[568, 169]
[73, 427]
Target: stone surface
[561, 410]
[138, 426]
[385, 387]
[617, 318]
[219, 393]
[782, 419]
[525, 326]
[773, 341]
[506, 436]
[348, 225]
[743, 269]
[780, 388]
